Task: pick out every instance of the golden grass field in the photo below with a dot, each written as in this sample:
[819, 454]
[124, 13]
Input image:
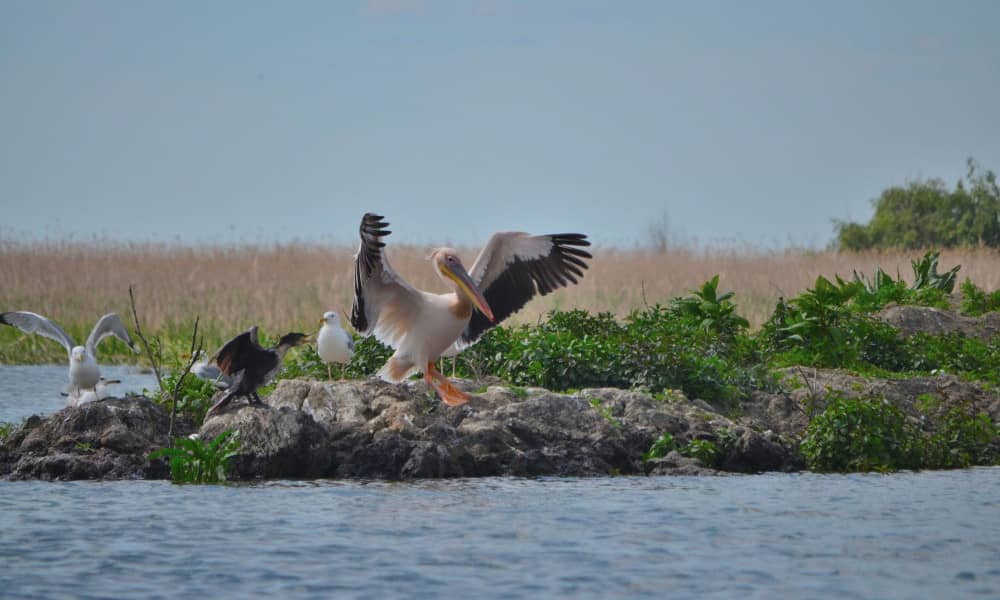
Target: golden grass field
[287, 287]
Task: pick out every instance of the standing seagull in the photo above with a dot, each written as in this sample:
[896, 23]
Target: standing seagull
[509, 271]
[333, 344]
[250, 365]
[83, 370]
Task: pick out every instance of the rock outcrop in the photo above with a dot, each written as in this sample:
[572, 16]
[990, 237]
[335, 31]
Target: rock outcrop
[910, 320]
[371, 429]
[807, 388]
[106, 439]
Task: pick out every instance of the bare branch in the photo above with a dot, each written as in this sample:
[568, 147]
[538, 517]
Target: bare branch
[197, 345]
[153, 361]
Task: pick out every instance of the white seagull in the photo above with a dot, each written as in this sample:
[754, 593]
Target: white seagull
[421, 326]
[81, 397]
[333, 344]
[209, 371]
[83, 370]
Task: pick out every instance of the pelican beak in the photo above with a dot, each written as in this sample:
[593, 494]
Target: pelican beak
[322, 321]
[459, 275]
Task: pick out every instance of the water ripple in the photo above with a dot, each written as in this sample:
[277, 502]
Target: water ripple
[906, 535]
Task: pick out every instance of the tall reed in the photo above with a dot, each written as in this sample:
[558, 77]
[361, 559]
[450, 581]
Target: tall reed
[287, 287]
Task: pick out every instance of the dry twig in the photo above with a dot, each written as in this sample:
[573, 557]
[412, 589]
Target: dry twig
[197, 345]
[154, 361]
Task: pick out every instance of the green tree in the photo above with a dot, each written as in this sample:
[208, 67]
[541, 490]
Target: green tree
[927, 214]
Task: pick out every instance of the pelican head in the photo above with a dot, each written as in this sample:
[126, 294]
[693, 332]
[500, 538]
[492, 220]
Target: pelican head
[450, 268]
[78, 354]
[330, 318]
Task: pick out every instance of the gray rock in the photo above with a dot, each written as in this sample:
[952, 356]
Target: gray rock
[273, 442]
[107, 439]
[910, 320]
[371, 429]
[787, 413]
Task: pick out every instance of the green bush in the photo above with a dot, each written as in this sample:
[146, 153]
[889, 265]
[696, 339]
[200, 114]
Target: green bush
[853, 434]
[196, 461]
[661, 447]
[926, 213]
[976, 302]
[713, 312]
[963, 438]
[705, 451]
[194, 397]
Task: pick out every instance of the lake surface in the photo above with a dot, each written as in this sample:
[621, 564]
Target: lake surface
[27, 390]
[909, 535]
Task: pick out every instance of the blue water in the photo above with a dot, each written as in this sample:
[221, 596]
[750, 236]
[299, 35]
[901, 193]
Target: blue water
[27, 390]
[923, 535]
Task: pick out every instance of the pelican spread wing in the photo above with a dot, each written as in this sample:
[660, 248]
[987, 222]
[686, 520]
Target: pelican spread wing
[30, 322]
[514, 267]
[109, 324]
[384, 303]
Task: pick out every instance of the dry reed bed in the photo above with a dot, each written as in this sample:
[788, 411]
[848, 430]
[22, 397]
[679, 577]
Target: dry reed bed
[287, 287]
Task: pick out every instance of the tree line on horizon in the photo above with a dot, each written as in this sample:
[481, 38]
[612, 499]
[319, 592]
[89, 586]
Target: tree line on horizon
[927, 214]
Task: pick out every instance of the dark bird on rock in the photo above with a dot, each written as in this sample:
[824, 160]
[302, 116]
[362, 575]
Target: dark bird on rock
[251, 365]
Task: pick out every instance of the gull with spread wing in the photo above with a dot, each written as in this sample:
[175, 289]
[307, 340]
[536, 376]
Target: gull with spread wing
[84, 374]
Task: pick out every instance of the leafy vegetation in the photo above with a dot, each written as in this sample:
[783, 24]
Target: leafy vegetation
[703, 450]
[926, 213]
[854, 434]
[605, 412]
[7, 428]
[197, 461]
[858, 434]
[976, 302]
[661, 447]
[716, 313]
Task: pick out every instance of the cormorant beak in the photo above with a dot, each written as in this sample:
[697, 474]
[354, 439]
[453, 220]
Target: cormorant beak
[460, 276]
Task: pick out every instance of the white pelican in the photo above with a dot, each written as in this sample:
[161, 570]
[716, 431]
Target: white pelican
[508, 272]
[333, 344]
[251, 365]
[83, 370]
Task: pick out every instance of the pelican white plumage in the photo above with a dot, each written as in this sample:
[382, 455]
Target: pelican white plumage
[510, 270]
[333, 344]
[83, 370]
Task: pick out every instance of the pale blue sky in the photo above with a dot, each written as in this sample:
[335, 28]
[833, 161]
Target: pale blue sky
[246, 121]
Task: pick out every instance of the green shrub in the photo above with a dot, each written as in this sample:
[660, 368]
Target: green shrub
[963, 438]
[661, 447]
[703, 450]
[605, 412]
[196, 461]
[194, 397]
[7, 428]
[853, 434]
[976, 302]
[713, 312]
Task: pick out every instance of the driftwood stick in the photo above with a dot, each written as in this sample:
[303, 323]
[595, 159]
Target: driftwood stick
[154, 363]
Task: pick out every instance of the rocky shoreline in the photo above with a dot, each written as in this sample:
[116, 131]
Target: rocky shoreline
[374, 430]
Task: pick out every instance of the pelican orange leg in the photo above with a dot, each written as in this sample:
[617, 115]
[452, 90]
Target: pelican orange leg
[450, 394]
